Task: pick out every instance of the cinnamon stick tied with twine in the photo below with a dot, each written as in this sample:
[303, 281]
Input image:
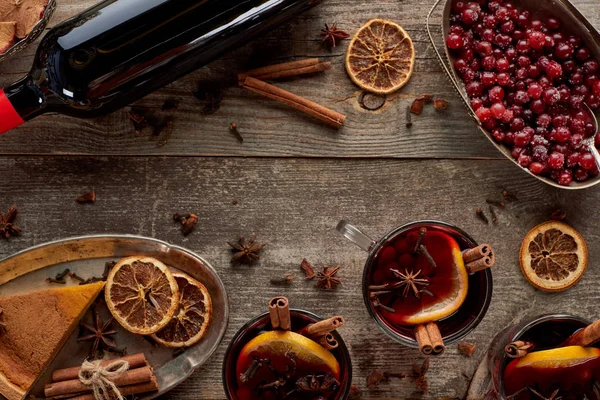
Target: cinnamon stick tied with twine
[151, 386]
[429, 339]
[518, 349]
[479, 258]
[322, 328]
[330, 117]
[135, 361]
[286, 70]
[584, 337]
[279, 310]
[58, 390]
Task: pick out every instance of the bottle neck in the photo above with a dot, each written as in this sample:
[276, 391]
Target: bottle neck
[20, 102]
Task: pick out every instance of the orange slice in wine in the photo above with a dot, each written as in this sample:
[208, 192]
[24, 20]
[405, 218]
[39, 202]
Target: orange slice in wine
[277, 345]
[380, 57]
[142, 294]
[191, 320]
[553, 256]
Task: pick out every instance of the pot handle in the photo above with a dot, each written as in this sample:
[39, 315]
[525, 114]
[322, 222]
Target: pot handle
[446, 68]
[354, 235]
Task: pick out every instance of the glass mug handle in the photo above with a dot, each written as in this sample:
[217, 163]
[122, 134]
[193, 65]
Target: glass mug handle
[354, 235]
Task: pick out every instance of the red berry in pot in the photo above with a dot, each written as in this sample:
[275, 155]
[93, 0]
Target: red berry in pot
[565, 178]
[582, 54]
[553, 23]
[535, 91]
[455, 41]
[590, 67]
[469, 16]
[563, 50]
[596, 88]
[496, 94]
[498, 110]
[551, 96]
[536, 168]
[483, 114]
[554, 70]
[581, 175]
[538, 106]
[536, 40]
[556, 160]
[587, 161]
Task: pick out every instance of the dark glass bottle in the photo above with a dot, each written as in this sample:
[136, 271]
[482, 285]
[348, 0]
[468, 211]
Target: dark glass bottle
[121, 50]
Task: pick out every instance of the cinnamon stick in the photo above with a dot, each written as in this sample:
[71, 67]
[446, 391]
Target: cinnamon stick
[328, 341]
[134, 360]
[423, 340]
[480, 265]
[584, 337]
[131, 377]
[151, 386]
[518, 349]
[285, 70]
[476, 253]
[279, 310]
[435, 335]
[323, 327]
[332, 118]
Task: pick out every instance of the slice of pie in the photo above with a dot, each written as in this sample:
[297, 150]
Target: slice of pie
[36, 326]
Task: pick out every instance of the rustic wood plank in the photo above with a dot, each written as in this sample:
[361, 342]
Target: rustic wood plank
[271, 129]
[293, 205]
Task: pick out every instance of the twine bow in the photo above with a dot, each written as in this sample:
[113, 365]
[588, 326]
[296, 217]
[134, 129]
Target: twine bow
[101, 378]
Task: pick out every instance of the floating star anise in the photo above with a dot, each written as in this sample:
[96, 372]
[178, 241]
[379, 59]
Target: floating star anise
[99, 334]
[328, 279]
[2, 324]
[246, 251]
[332, 35]
[411, 281]
[7, 227]
[317, 384]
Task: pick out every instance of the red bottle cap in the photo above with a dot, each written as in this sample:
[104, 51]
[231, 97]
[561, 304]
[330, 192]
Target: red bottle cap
[9, 117]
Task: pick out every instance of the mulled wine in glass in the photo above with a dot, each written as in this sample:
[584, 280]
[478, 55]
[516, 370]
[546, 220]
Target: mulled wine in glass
[425, 274]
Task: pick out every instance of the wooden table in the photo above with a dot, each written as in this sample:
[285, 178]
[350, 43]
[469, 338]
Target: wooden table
[290, 182]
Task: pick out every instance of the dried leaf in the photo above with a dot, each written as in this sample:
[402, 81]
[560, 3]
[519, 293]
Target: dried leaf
[466, 349]
[374, 378]
[440, 104]
[308, 269]
[86, 198]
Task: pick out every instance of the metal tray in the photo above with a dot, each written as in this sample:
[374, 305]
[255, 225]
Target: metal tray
[86, 255]
[571, 18]
[33, 34]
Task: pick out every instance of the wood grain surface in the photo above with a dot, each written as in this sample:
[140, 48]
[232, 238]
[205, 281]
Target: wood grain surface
[293, 179]
[293, 205]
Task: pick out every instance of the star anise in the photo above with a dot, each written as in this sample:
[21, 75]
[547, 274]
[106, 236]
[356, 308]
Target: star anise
[99, 334]
[411, 281]
[7, 227]
[317, 384]
[328, 279]
[2, 324]
[246, 251]
[332, 35]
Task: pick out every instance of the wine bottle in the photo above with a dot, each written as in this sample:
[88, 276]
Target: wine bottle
[121, 50]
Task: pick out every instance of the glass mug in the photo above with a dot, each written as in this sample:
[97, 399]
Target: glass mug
[552, 329]
[454, 327]
[262, 323]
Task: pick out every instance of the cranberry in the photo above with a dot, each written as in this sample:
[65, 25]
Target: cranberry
[576, 141]
[559, 120]
[507, 27]
[553, 23]
[509, 138]
[596, 88]
[536, 40]
[498, 135]
[518, 34]
[517, 111]
[582, 54]
[536, 24]
[524, 160]
[590, 80]
[511, 54]
[565, 178]
[490, 124]
[493, 5]
[524, 61]
[523, 46]
[484, 48]
[554, 70]
[533, 71]
[590, 67]
[569, 66]
[516, 124]
[469, 16]
[576, 102]
[581, 175]
[503, 79]
[502, 14]
[496, 94]
[544, 120]
[489, 63]
[521, 73]
[592, 101]
[549, 44]
[474, 89]
[460, 64]
[565, 93]
[490, 21]
[551, 96]
[455, 41]
[576, 78]
[521, 97]
[562, 135]
[556, 160]
[524, 18]
[539, 152]
[527, 114]
[536, 168]
[516, 151]
[545, 82]
[467, 54]
[488, 78]
[563, 50]
[507, 117]
[476, 103]
[521, 139]
[573, 159]
[538, 106]
[535, 91]
[469, 75]
[498, 110]
[587, 162]
[458, 6]
[575, 41]
[483, 113]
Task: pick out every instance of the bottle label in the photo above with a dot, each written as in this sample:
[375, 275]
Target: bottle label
[9, 117]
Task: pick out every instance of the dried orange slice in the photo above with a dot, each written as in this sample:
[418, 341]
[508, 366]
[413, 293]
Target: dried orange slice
[142, 294]
[380, 57]
[192, 318]
[553, 256]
